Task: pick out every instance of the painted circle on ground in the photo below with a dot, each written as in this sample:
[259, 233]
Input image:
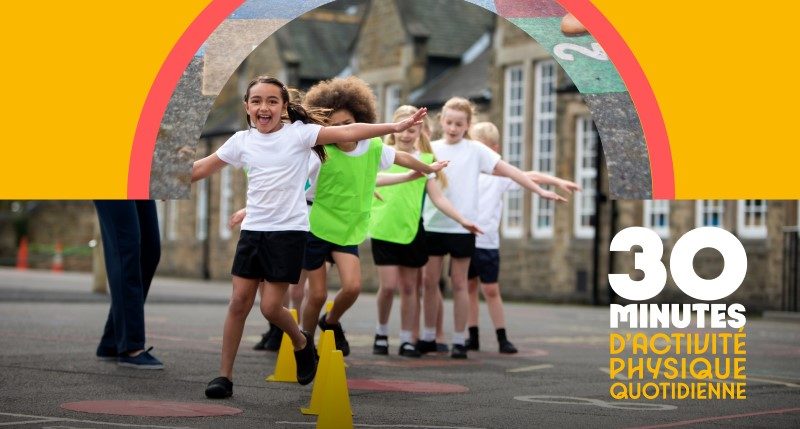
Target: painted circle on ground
[151, 408]
[404, 386]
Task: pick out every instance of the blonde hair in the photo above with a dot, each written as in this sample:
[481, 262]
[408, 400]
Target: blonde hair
[423, 143]
[462, 105]
[486, 132]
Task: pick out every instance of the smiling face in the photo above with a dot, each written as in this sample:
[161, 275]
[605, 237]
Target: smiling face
[455, 124]
[264, 107]
[405, 140]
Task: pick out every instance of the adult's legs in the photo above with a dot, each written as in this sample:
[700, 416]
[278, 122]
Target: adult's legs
[132, 250]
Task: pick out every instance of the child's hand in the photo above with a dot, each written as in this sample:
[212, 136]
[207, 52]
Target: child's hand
[415, 119]
[236, 218]
[414, 174]
[471, 227]
[550, 195]
[568, 187]
[438, 166]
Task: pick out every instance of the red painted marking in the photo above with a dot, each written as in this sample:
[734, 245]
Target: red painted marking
[710, 419]
[655, 131]
[151, 408]
[529, 8]
[144, 140]
[404, 386]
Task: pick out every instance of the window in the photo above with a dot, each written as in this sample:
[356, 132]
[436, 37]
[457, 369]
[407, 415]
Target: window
[201, 217]
[709, 213]
[656, 217]
[172, 220]
[513, 147]
[391, 101]
[544, 143]
[751, 218]
[225, 202]
[586, 153]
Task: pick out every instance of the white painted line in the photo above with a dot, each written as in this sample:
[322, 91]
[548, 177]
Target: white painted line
[48, 419]
[362, 425]
[616, 377]
[531, 368]
[30, 422]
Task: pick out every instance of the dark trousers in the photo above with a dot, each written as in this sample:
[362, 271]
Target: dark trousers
[132, 249]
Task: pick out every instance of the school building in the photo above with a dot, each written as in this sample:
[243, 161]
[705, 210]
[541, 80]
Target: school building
[419, 52]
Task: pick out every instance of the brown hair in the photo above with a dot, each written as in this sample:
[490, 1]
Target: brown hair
[462, 105]
[423, 142]
[294, 110]
[351, 94]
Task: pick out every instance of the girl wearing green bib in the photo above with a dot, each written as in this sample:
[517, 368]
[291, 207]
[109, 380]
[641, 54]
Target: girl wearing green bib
[342, 204]
[398, 238]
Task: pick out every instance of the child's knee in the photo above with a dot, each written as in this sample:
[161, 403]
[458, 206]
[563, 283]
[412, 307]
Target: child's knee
[240, 305]
[491, 291]
[352, 287]
[317, 296]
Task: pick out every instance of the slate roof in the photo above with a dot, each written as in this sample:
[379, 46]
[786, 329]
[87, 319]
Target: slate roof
[449, 35]
[470, 81]
[321, 47]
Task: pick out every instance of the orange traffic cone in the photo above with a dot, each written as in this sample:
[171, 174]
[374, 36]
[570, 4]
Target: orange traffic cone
[58, 258]
[22, 254]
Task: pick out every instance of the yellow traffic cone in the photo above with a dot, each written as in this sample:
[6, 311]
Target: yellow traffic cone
[335, 412]
[285, 366]
[326, 346]
[328, 308]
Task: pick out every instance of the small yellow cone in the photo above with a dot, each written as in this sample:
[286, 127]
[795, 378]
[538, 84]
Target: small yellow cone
[328, 306]
[320, 380]
[335, 412]
[285, 366]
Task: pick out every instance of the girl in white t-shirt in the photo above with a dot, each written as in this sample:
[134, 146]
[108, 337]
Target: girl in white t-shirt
[484, 266]
[468, 160]
[398, 238]
[342, 201]
[273, 236]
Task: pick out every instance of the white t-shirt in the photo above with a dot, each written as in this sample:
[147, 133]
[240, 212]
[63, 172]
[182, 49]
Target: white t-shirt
[468, 159]
[387, 159]
[277, 167]
[490, 200]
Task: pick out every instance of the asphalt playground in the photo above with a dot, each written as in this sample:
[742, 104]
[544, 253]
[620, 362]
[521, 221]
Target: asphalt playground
[50, 324]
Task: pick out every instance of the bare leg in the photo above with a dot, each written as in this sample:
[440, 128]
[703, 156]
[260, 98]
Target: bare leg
[349, 268]
[242, 298]
[431, 295]
[409, 301]
[272, 308]
[458, 277]
[389, 280]
[491, 293]
[315, 298]
[472, 320]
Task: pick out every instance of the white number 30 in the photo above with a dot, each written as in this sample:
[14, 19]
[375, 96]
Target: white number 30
[680, 263]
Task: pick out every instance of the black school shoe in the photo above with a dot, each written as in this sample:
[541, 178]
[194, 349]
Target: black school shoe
[338, 334]
[408, 350]
[273, 344]
[219, 388]
[306, 359]
[381, 345]
[426, 346]
[261, 345]
[459, 352]
[473, 344]
[507, 348]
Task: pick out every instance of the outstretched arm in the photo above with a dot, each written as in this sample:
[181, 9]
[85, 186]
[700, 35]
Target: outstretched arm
[505, 169]
[207, 166]
[546, 179]
[361, 131]
[445, 206]
[407, 160]
[387, 179]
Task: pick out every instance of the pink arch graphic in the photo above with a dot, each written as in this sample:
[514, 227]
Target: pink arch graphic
[641, 93]
[655, 131]
[144, 141]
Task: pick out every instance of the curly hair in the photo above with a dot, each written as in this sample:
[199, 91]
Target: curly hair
[351, 94]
